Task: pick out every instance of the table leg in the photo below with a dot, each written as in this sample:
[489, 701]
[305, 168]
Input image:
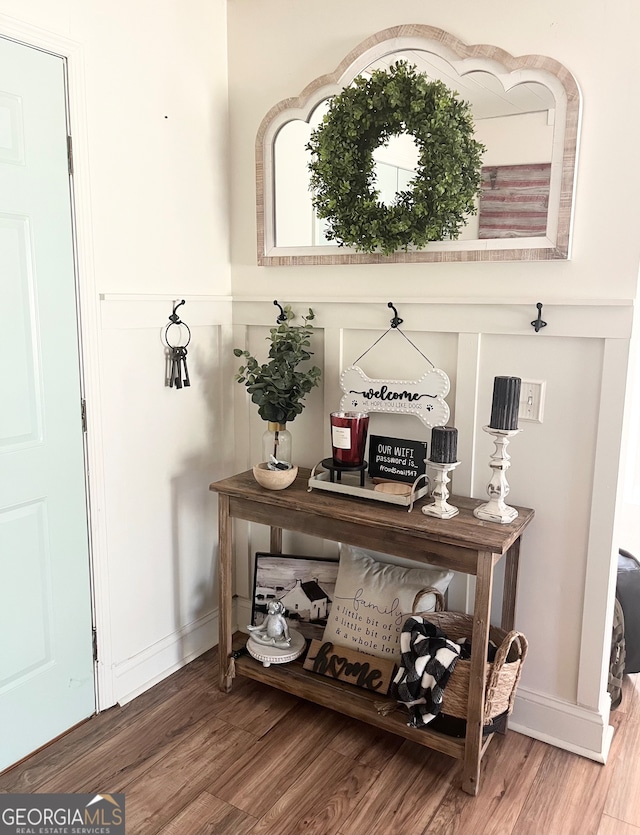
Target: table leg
[512, 558]
[275, 540]
[225, 593]
[479, 643]
[510, 585]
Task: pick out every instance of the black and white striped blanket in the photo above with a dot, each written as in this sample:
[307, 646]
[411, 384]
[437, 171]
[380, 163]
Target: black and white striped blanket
[428, 658]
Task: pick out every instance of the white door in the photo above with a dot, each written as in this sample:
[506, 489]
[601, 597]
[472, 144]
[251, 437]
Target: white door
[46, 658]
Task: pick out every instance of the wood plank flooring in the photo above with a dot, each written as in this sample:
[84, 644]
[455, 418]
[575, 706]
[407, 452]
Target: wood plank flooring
[194, 761]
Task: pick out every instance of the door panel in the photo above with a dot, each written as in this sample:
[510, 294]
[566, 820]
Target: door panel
[27, 561]
[11, 129]
[46, 662]
[21, 413]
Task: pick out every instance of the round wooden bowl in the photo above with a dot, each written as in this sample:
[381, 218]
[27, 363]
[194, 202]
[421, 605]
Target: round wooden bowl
[274, 479]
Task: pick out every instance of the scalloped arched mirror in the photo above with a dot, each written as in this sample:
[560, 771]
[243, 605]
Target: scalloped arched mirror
[526, 112]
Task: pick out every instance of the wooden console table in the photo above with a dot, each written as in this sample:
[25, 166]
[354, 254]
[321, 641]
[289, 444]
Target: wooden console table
[463, 544]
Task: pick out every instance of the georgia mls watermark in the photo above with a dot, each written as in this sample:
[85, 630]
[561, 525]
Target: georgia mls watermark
[62, 814]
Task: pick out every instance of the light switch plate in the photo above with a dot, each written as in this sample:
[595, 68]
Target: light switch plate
[531, 406]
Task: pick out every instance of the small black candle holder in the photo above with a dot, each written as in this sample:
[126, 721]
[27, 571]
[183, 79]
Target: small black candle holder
[336, 470]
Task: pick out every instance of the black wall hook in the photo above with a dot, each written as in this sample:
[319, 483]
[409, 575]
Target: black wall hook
[539, 323]
[396, 319]
[283, 316]
[174, 319]
[174, 316]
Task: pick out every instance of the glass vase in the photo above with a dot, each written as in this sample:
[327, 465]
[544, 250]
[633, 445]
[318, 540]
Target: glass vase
[276, 442]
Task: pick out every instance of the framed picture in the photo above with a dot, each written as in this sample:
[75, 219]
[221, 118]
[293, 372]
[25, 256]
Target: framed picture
[304, 585]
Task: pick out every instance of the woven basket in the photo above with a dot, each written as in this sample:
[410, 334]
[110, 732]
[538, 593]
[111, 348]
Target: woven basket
[501, 675]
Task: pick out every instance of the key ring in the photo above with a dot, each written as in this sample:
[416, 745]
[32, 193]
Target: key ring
[174, 319]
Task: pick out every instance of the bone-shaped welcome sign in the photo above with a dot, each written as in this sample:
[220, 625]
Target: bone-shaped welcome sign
[423, 398]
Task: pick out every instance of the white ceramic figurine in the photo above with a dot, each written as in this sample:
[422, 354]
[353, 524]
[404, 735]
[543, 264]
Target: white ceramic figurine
[274, 630]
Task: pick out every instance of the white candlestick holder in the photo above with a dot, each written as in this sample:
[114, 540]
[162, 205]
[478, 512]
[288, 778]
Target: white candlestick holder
[496, 510]
[441, 508]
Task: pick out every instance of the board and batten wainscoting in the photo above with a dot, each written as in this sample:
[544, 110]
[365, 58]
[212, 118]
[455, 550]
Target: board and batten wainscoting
[161, 447]
[565, 566]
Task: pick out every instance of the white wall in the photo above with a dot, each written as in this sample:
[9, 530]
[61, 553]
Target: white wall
[148, 98]
[474, 318]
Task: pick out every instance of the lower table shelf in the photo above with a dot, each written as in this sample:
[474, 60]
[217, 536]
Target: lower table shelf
[344, 698]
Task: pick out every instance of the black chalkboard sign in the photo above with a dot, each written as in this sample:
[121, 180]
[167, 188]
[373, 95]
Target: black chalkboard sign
[396, 459]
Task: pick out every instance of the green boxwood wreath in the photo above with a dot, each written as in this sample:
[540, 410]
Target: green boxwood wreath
[363, 117]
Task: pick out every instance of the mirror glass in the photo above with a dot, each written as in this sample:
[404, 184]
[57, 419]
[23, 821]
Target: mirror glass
[526, 118]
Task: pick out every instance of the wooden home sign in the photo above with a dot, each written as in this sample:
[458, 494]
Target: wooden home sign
[350, 666]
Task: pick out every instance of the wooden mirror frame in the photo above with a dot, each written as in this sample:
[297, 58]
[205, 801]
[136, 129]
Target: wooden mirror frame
[464, 58]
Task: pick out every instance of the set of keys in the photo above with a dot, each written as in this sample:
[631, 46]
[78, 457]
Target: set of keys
[178, 371]
[178, 375]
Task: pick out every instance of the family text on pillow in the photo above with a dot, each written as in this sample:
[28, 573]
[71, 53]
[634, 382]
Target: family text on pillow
[373, 599]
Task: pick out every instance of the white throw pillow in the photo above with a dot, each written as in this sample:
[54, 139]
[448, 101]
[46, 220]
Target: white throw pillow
[373, 599]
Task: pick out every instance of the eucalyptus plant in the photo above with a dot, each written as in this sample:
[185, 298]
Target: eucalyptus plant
[278, 387]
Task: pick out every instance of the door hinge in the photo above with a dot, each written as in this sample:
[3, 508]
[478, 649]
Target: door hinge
[94, 643]
[83, 413]
[70, 154]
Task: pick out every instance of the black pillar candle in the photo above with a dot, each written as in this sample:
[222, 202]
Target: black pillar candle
[506, 400]
[444, 445]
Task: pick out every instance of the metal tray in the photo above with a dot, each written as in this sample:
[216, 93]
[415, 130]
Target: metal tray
[349, 485]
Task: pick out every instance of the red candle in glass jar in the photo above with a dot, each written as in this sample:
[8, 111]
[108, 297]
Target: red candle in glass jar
[349, 437]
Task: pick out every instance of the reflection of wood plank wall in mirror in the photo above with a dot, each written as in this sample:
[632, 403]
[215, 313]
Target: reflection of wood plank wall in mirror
[524, 77]
[514, 201]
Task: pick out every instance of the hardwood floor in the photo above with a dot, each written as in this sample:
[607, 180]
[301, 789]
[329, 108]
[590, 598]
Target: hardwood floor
[192, 761]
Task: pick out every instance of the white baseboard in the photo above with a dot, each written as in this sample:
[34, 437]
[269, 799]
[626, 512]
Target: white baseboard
[153, 664]
[571, 727]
